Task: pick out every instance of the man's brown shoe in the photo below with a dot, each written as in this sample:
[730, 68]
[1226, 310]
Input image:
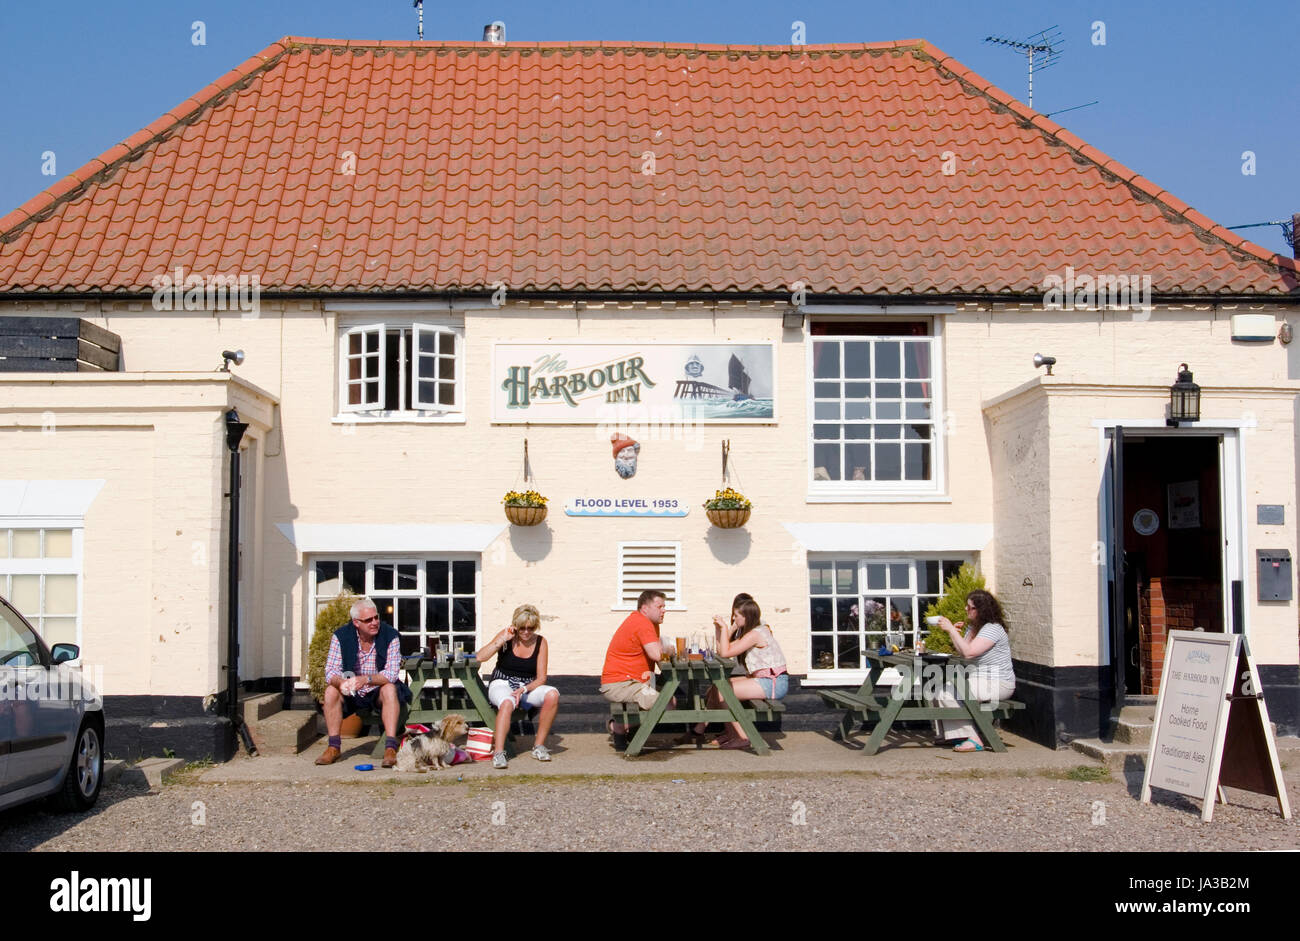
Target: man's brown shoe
[390, 757]
[328, 756]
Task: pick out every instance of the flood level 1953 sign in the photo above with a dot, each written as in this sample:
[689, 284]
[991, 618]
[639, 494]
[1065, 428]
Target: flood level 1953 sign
[626, 506]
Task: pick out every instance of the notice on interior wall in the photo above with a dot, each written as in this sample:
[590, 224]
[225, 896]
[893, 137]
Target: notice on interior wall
[1185, 505]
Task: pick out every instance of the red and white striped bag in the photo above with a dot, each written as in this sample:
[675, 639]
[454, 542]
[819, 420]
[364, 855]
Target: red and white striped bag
[479, 743]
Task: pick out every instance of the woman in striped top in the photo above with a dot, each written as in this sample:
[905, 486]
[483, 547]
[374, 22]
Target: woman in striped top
[992, 678]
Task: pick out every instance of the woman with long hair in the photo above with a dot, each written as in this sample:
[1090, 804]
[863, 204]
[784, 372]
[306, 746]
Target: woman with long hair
[985, 644]
[748, 638]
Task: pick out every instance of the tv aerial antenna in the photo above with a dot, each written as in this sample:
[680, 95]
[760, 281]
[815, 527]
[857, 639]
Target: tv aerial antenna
[1288, 229]
[419, 12]
[1045, 45]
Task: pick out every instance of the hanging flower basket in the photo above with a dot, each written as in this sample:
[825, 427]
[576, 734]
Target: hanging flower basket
[728, 519]
[525, 509]
[728, 509]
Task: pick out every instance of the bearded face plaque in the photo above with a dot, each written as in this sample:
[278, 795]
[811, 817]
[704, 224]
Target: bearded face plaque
[625, 452]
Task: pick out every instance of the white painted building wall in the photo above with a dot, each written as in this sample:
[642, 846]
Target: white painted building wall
[153, 614]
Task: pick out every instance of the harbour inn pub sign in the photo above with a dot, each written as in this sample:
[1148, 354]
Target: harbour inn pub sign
[578, 383]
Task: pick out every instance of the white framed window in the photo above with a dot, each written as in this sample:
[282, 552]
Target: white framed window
[874, 401]
[420, 597]
[646, 565]
[401, 370]
[854, 601]
[40, 574]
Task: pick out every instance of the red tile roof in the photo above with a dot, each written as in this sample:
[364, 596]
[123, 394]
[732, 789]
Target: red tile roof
[530, 164]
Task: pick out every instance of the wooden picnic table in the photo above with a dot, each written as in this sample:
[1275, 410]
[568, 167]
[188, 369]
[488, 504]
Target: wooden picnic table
[431, 681]
[901, 703]
[695, 676]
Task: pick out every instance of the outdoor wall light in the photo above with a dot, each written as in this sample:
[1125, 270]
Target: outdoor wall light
[793, 320]
[234, 430]
[1184, 398]
[236, 357]
[1041, 360]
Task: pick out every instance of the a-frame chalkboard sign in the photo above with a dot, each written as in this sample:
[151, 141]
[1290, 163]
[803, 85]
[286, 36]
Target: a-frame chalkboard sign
[1211, 726]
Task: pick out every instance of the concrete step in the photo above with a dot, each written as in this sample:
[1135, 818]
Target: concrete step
[113, 769]
[258, 706]
[1134, 731]
[1140, 712]
[284, 733]
[1118, 756]
[151, 772]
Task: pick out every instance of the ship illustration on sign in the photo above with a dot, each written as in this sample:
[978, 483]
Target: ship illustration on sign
[694, 388]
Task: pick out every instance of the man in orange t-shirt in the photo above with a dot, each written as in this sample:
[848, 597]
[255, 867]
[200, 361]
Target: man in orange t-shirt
[632, 655]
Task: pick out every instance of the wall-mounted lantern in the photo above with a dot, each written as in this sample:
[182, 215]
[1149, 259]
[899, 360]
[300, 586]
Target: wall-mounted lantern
[1184, 398]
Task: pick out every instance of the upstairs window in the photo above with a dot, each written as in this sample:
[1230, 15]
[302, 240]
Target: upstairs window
[874, 408]
[401, 370]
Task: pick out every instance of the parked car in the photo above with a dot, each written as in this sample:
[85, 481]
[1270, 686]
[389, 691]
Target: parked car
[51, 721]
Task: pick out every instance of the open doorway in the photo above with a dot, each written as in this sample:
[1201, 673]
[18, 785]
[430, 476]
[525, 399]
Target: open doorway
[1170, 525]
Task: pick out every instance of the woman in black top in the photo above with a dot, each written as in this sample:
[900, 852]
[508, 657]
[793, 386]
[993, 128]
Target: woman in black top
[519, 681]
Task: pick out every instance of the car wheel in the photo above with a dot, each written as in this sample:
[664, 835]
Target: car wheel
[85, 773]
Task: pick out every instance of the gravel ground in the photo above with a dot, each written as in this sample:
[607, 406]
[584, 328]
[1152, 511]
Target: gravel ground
[841, 811]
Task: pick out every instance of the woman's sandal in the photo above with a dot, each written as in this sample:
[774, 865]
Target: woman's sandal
[969, 745]
[728, 743]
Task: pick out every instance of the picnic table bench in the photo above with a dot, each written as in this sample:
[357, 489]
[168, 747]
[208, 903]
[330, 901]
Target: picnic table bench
[433, 697]
[629, 713]
[898, 705]
[695, 676]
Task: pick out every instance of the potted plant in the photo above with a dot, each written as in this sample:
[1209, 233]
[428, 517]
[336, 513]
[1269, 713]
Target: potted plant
[525, 509]
[329, 619]
[952, 605]
[728, 509]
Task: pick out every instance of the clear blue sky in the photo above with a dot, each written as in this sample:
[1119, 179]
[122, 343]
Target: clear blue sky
[1184, 87]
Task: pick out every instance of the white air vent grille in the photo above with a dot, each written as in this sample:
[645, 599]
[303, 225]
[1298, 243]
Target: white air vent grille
[643, 565]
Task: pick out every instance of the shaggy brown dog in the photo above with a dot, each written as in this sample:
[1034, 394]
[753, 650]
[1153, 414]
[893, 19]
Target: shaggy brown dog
[430, 749]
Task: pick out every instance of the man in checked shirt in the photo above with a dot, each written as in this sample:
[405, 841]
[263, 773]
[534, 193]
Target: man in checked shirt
[361, 673]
